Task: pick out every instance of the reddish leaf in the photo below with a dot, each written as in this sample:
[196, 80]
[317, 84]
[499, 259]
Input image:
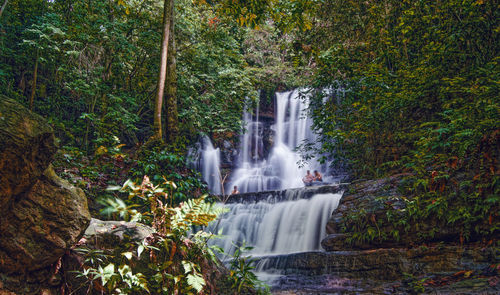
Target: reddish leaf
[172, 253]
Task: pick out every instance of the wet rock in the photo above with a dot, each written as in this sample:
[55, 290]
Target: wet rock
[108, 234]
[373, 267]
[27, 146]
[41, 215]
[334, 242]
[288, 194]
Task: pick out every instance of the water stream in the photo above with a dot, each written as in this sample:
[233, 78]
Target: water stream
[210, 166]
[280, 169]
[275, 227]
[276, 215]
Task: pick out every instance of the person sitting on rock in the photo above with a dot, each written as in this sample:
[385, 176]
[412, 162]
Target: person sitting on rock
[317, 176]
[235, 190]
[308, 179]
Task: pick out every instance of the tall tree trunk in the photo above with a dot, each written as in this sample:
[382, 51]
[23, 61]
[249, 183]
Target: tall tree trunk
[35, 76]
[167, 7]
[3, 7]
[172, 120]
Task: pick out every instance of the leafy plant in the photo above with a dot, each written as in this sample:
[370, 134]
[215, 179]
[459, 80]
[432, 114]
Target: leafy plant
[178, 254]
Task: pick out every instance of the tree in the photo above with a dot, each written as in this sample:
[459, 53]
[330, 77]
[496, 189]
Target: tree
[43, 40]
[172, 117]
[168, 8]
[3, 7]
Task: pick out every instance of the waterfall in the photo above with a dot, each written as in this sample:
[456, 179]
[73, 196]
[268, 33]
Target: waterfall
[210, 165]
[280, 170]
[274, 227]
[274, 213]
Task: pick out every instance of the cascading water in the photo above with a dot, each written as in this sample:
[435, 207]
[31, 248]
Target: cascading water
[280, 170]
[292, 218]
[274, 226]
[277, 226]
[210, 166]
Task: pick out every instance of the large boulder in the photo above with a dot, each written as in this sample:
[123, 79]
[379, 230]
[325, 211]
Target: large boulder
[41, 224]
[41, 215]
[27, 147]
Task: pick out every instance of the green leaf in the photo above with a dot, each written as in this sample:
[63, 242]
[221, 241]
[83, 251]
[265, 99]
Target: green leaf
[140, 249]
[195, 281]
[128, 255]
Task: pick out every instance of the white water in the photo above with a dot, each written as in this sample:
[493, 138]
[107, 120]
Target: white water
[273, 228]
[274, 225]
[210, 166]
[281, 169]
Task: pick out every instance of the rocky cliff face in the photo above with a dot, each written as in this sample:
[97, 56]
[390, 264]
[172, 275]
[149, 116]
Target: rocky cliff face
[408, 264]
[369, 202]
[41, 215]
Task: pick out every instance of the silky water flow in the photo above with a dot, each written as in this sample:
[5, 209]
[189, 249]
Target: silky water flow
[291, 221]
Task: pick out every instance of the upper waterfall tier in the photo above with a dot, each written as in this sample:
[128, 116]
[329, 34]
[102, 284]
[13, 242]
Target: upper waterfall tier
[280, 169]
[210, 165]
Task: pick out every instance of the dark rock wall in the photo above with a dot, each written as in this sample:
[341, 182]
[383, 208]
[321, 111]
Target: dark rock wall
[27, 146]
[392, 264]
[41, 215]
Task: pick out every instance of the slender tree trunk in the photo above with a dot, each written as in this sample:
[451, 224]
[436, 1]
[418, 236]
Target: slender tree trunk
[172, 120]
[3, 7]
[35, 76]
[167, 6]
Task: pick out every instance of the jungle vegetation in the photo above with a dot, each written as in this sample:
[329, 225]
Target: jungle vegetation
[407, 87]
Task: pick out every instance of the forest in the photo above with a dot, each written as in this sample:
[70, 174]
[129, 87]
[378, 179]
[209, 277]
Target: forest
[405, 89]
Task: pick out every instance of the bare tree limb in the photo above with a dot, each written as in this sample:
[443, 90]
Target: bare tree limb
[3, 7]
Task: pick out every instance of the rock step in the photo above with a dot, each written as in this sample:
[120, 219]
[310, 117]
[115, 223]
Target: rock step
[286, 195]
[380, 264]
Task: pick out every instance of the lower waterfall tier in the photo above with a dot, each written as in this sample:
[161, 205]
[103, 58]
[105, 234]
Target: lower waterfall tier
[281, 223]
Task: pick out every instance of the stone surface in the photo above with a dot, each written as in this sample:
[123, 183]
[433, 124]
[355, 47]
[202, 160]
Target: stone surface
[331, 284]
[288, 194]
[381, 271]
[371, 200]
[108, 234]
[382, 264]
[27, 146]
[44, 222]
[41, 215]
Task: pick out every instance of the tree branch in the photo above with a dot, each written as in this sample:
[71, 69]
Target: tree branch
[3, 7]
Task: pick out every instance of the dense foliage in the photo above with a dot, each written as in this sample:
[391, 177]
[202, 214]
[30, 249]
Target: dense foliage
[413, 87]
[396, 87]
[176, 259]
[91, 67]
